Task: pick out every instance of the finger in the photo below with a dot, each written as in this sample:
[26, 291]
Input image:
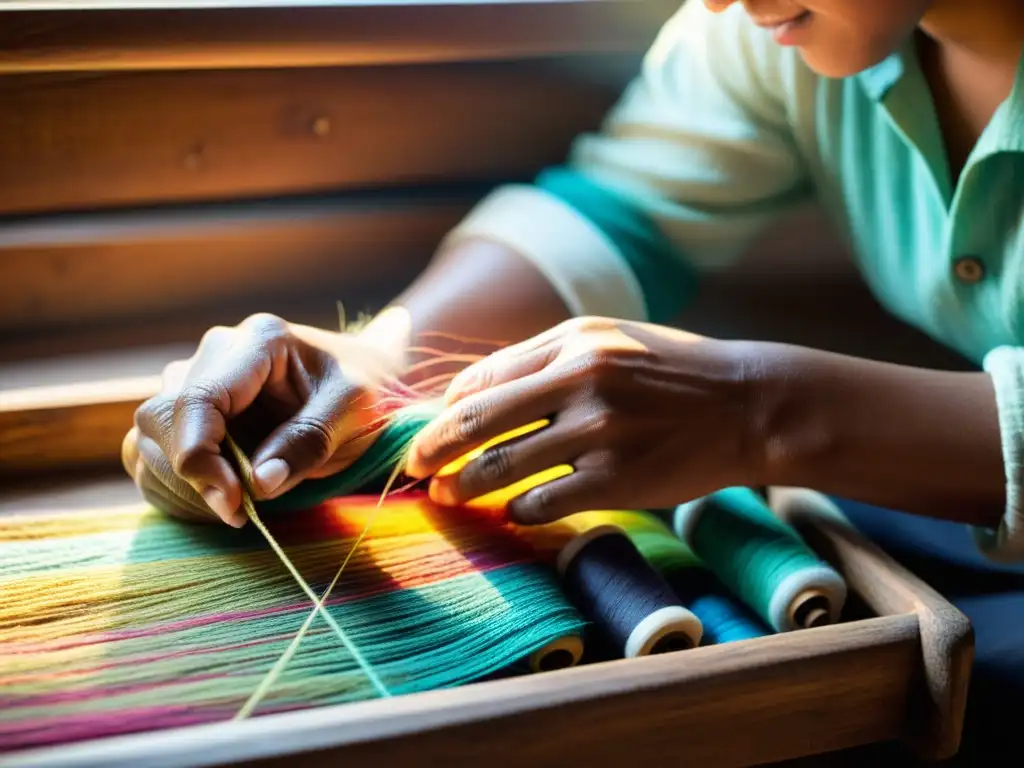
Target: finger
[163, 488]
[346, 455]
[213, 392]
[582, 491]
[130, 452]
[304, 443]
[481, 417]
[158, 497]
[174, 373]
[500, 368]
[507, 463]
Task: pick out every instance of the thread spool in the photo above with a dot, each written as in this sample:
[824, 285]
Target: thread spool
[762, 560]
[612, 584]
[562, 653]
[725, 619]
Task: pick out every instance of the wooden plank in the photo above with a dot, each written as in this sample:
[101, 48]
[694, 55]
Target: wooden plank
[902, 674]
[947, 638]
[70, 426]
[107, 36]
[76, 141]
[66, 271]
[790, 695]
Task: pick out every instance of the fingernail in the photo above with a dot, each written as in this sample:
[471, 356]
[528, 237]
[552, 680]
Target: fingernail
[461, 385]
[440, 493]
[413, 463]
[218, 502]
[270, 475]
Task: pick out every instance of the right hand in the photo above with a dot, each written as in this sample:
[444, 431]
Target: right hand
[279, 385]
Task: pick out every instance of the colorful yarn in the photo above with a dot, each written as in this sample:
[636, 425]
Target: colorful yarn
[129, 620]
[126, 620]
[373, 466]
[659, 546]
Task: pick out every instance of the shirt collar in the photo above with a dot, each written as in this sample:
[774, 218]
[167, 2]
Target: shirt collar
[879, 79]
[1004, 134]
[1011, 115]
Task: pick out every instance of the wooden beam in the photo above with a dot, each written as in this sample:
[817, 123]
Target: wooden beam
[68, 426]
[789, 695]
[902, 674]
[82, 141]
[97, 35]
[62, 272]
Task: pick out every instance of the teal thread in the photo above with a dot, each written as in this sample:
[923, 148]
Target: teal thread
[748, 548]
[373, 466]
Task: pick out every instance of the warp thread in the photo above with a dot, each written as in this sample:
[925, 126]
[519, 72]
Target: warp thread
[123, 621]
[479, 618]
[245, 469]
[761, 560]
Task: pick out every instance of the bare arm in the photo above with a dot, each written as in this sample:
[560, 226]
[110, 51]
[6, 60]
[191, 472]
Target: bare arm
[479, 290]
[924, 441]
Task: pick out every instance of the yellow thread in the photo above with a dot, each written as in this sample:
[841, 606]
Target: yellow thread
[268, 680]
[500, 498]
[459, 463]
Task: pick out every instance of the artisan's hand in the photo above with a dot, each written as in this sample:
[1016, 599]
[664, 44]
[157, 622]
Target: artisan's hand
[646, 416]
[279, 384]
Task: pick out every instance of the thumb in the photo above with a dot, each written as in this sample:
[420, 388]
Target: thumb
[333, 415]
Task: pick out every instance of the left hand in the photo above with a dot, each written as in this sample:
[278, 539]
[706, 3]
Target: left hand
[647, 416]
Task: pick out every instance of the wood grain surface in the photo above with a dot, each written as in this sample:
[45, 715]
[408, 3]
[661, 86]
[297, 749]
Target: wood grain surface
[87, 140]
[96, 35]
[65, 271]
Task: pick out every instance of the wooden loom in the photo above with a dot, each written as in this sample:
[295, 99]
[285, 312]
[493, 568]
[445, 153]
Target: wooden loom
[900, 673]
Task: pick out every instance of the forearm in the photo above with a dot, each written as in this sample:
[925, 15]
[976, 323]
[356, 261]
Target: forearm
[471, 299]
[917, 440]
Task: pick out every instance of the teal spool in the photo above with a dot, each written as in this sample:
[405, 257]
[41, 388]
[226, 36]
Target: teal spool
[724, 621]
[373, 467]
[761, 560]
[724, 618]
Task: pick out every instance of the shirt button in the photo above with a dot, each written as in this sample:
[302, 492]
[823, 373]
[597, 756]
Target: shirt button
[969, 270]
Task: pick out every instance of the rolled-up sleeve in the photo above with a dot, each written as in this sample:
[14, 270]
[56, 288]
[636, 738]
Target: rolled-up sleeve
[1006, 367]
[692, 162]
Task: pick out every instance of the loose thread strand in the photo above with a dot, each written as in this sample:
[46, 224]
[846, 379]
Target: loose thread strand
[282, 663]
[250, 510]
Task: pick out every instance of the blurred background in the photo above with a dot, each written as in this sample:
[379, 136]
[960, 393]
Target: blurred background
[162, 171]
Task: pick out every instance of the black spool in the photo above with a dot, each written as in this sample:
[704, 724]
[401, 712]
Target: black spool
[614, 586]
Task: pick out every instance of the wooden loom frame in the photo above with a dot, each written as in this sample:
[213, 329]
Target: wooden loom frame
[903, 674]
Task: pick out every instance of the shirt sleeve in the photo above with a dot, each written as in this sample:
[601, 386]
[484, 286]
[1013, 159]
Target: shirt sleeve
[1006, 367]
[686, 170]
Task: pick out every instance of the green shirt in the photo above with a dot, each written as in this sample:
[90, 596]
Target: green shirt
[723, 131]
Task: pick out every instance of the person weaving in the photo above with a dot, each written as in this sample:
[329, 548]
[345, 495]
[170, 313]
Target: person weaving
[903, 119]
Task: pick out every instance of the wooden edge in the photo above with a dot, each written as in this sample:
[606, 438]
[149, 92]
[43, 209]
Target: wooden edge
[52, 427]
[70, 426]
[40, 36]
[689, 691]
[947, 638]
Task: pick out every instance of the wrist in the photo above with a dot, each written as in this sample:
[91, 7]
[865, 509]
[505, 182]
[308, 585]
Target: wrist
[786, 427]
[389, 334]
